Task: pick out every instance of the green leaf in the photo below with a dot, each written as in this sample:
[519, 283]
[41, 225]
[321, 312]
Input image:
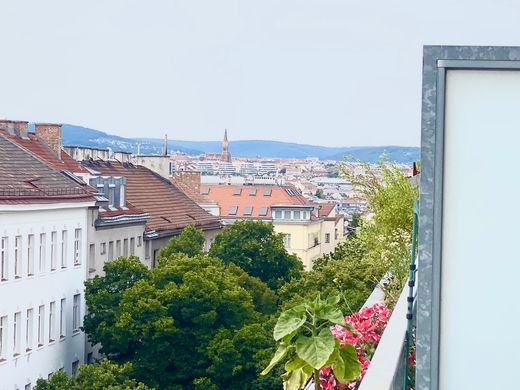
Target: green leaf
[295, 363]
[289, 321]
[316, 350]
[280, 353]
[296, 379]
[332, 314]
[346, 367]
[333, 300]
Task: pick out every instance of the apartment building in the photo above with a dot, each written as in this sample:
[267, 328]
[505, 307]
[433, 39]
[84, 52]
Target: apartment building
[43, 236]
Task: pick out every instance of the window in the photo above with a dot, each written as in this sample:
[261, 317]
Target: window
[63, 325]
[118, 248]
[75, 365]
[17, 328]
[205, 191]
[252, 192]
[77, 246]
[90, 358]
[41, 253]
[327, 238]
[111, 195]
[54, 250]
[18, 257]
[248, 210]
[3, 337]
[139, 241]
[268, 191]
[41, 319]
[75, 313]
[147, 249]
[305, 215]
[278, 214]
[237, 191]
[29, 330]
[132, 246]
[111, 250]
[296, 214]
[287, 214]
[63, 249]
[52, 322]
[233, 210]
[287, 240]
[30, 255]
[103, 248]
[336, 234]
[3, 259]
[263, 211]
[125, 247]
[92, 257]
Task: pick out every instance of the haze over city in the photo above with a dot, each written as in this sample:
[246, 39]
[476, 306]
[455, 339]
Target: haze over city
[327, 73]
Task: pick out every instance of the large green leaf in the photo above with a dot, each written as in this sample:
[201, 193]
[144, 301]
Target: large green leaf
[289, 321]
[295, 380]
[295, 363]
[332, 314]
[346, 367]
[280, 353]
[316, 350]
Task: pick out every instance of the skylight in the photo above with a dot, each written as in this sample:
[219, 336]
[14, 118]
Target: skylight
[268, 191]
[233, 210]
[248, 210]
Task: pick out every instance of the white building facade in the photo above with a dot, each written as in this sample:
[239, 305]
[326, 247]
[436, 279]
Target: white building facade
[43, 264]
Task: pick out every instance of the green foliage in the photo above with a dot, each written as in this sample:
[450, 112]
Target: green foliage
[175, 323]
[189, 242]
[319, 194]
[258, 250]
[104, 375]
[306, 344]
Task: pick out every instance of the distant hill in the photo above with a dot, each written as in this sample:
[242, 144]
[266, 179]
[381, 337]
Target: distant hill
[83, 136]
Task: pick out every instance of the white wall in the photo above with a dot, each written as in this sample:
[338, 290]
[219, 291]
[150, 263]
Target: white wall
[479, 339]
[18, 295]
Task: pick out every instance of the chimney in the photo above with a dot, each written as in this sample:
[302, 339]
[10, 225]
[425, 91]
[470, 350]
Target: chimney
[20, 128]
[165, 145]
[50, 134]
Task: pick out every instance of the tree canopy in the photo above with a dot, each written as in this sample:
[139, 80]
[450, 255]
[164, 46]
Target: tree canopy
[258, 250]
[189, 242]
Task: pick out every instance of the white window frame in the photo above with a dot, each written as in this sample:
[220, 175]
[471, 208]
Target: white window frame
[139, 241]
[103, 248]
[287, 240]
[3, 337]
[30, 255]
[327, 238]
[132, 246]
[41, 325]
[77, 246]
[52, 321]
[76, 313]
[64, 235]
[4, 259]
[42, 253]
[63, 318]
[111, 250]
[125, 247]
[17, 331]
[118, 248]
[29, 329]
[54, 250]
[18, 257]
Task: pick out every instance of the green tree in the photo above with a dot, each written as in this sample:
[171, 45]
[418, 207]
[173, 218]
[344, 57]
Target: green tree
[319, 194]
[307, 345]
[165, 321]
[104, 375]
[190, 242]
[258, 250]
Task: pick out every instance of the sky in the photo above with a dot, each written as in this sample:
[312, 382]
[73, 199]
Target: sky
[321, 72]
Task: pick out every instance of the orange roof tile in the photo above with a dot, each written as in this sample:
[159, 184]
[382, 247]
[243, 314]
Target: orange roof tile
[260, 198]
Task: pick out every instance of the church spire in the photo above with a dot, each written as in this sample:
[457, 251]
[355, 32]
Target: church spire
[226, 156]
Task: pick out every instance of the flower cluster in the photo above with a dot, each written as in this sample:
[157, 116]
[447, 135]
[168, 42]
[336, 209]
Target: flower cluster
[369, 324]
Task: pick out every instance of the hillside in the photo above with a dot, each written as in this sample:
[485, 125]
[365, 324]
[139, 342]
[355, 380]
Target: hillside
[83, 136]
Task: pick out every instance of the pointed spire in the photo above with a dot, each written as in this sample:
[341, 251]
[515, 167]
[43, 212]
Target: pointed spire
[225, 135]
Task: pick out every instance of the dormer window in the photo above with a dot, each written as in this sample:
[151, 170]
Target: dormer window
[296, 214]
[278, 214]
[287, 214]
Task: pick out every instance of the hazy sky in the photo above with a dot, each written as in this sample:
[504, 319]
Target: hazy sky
[336, 73]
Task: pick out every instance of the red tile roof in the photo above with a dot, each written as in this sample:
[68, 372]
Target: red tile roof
[169, 208]
[244, 196]
[42, 151]
[326, 208]
[24, 179]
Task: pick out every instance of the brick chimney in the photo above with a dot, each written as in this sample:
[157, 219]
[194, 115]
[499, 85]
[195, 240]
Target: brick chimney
[18, 128]
[187, 179]
[50, 134]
